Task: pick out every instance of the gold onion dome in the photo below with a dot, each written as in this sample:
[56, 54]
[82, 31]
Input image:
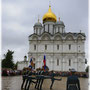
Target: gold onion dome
[49, 16]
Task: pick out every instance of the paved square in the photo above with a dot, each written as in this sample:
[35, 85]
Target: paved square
[14, 83]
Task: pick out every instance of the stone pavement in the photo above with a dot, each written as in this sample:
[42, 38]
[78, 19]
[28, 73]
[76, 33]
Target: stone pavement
[14, 83]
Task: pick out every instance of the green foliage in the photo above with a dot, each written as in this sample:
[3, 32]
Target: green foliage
[87, 69]
[7, 62]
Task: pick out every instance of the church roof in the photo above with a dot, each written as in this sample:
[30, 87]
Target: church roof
[74, 34]
[63, 34]
[59, 23]
[38, 24]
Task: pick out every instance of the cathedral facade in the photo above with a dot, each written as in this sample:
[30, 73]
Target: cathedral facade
[63, 50]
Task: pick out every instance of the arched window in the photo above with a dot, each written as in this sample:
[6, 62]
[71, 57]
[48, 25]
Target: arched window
[58, 29]
[62, 31]
[57, 62]
[55, 30]
[45, 47]
[69, 62]
[57, 47]
[36, 30]
[34, 47]
[44, 28]
[48, 27]
[69, 46]
[40, 31]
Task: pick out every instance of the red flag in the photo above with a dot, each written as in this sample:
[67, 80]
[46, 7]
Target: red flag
[44, 61]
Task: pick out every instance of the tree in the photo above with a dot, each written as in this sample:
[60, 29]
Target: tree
[87, 69]
[7, 62]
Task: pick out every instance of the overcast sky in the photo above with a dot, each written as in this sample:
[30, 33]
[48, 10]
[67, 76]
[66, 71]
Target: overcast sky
[19, 17]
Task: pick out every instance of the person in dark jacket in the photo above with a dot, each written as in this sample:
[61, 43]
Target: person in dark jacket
[73, 81]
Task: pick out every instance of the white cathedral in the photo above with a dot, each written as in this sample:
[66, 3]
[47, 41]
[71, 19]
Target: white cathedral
[63, 50]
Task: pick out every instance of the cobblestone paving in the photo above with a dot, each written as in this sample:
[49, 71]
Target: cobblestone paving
[14, 83]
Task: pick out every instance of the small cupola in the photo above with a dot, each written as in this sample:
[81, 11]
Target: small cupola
[59, 26]
[59, 22]
[37, 27]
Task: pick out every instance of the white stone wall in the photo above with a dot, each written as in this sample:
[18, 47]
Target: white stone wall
[22, 64]
[52, 54]
[52, 46]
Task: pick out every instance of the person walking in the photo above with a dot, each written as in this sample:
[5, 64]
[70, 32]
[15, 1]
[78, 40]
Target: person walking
[53, 79]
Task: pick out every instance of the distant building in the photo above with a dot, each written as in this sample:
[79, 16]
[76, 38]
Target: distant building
[63, 50]
[22, 64]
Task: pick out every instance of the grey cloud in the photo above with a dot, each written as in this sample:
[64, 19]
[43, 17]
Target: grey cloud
[19, 16]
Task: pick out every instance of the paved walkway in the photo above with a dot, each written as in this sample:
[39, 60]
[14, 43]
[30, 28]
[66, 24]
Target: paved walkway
[14, 83]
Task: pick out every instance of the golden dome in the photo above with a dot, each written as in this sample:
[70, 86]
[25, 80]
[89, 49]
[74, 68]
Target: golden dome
[49, 16]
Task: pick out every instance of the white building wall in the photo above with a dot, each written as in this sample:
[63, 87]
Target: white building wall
[63, 48]
[66, 47]
[22, 64]
[52, 53]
